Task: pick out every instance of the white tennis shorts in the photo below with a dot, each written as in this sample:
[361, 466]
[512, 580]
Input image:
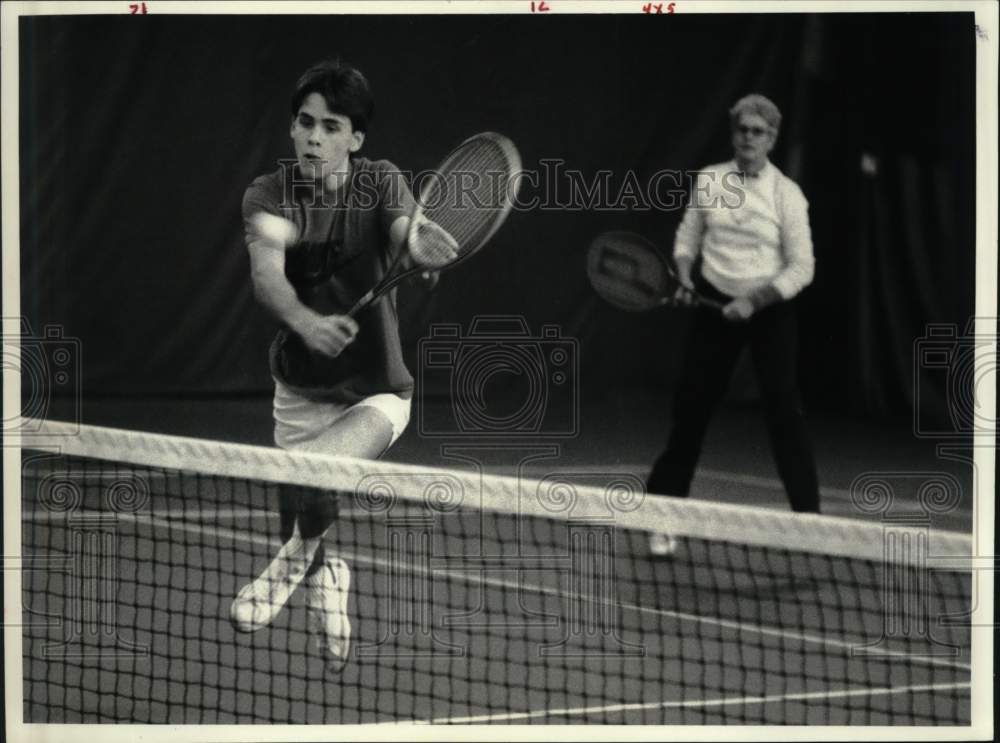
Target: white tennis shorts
[299, 423]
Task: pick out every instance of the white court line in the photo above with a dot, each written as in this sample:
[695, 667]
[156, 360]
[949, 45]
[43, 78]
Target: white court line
[635, 706]
[480, 579]
[738, 478]
[768, 483]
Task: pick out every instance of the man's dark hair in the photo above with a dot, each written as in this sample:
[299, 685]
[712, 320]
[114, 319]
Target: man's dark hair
[344, 88]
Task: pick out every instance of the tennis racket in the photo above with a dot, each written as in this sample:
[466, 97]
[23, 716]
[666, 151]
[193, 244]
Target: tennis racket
[628, 271]
[460, 207]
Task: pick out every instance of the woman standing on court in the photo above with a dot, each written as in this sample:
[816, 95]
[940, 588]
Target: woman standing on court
[755, 255]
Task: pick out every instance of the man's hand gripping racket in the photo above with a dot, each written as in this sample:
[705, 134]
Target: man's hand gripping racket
[460, 207]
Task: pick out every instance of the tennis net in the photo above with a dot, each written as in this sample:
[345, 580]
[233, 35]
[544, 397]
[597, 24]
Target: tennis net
[475, 598]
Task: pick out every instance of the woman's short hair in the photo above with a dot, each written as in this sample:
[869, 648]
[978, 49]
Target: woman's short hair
[756, 104]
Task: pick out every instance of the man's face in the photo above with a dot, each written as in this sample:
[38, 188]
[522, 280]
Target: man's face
[753, 139]
[323, 140]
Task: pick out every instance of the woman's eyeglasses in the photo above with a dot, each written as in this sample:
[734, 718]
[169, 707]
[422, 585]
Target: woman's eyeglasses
[756, 131]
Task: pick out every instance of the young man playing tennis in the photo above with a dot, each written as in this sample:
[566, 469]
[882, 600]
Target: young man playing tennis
[320, 234]
[754, 257]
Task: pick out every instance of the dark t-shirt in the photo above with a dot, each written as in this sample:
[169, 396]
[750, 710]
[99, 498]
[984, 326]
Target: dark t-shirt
[342, 252]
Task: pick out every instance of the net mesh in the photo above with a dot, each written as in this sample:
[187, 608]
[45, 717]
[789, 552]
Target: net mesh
[474, 598]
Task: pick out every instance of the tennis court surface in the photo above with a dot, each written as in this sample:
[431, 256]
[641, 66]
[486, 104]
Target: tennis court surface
[474, 598]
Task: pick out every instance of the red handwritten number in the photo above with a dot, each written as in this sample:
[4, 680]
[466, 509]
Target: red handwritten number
[138, 8]
[657, 8]
[539, 7]
[670, 8]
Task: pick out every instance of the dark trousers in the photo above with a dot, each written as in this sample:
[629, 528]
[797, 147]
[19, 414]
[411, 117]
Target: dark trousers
[713, 349]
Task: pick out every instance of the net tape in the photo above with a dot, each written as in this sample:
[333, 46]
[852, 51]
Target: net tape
[758, 526]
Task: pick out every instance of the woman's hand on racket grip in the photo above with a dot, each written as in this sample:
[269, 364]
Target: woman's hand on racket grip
[739, 310]
[683, 297]
[684, 265]
[326, 334]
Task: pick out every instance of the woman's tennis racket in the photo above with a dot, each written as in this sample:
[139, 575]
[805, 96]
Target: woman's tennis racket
[630, 272]
[459, 208]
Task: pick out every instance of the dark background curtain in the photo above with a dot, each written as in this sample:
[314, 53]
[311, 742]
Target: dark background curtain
[139, 135]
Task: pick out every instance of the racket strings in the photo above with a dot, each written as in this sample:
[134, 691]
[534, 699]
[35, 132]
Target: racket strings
[483, 170]
[628, 271]
[470, 194]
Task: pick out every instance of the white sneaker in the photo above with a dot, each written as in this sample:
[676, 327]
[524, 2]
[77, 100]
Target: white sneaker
[662, 545]
[326, 603]
[260, 601]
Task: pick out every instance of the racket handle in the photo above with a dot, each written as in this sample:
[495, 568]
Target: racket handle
[706, 302]
[362, 303]
[699, 301]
